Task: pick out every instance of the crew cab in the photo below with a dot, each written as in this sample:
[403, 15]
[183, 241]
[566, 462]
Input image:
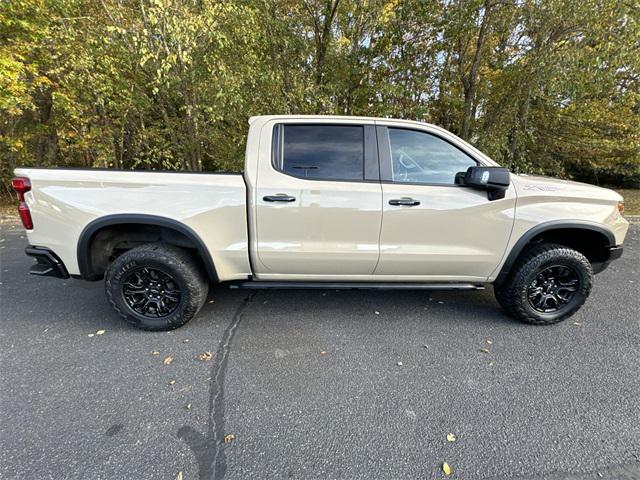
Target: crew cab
[324, 202]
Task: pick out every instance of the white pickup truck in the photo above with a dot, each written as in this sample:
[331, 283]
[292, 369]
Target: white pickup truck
[324, 202]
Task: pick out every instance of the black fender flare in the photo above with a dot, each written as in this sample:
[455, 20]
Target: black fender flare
[89, 231]
[522, 242]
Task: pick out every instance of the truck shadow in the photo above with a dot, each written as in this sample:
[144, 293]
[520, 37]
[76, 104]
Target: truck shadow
[391, 305]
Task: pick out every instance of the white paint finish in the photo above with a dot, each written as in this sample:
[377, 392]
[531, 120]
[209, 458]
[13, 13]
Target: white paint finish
[331, 228]
[64, 202]
[455, 232]
[543, 199]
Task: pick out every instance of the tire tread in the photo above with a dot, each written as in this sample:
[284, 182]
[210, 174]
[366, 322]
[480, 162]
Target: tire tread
[178, 258]
[509, 293]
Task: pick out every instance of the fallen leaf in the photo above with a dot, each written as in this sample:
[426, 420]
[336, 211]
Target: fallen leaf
[188, 406]
[211, 301]
[167, 360]
[489, 342]
[451, 437]
[205, 357]
[172, 382]
[491, 364]
[100, 332]
[484, 350]
[155, 352]
[229, 438]
[447, 470]
[90, 335]
[399, 364]
[377, 312]
[577, 323]
[179, 476]
[186, 340]
[425, 346]
[323, 352]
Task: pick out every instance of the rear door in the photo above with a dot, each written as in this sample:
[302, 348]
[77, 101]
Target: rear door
[433, 227]
[319, 204]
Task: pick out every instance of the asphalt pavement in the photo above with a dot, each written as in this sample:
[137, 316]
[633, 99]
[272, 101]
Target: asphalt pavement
[317, 384]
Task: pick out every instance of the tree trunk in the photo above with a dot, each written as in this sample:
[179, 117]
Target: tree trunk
[470, 80]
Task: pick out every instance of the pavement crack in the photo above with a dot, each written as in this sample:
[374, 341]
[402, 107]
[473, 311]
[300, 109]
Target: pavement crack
[209, 449]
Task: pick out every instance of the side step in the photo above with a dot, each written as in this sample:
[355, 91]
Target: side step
[355, 286]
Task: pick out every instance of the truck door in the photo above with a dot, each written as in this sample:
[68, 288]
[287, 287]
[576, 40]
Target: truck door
[318, 201]
[433, 227]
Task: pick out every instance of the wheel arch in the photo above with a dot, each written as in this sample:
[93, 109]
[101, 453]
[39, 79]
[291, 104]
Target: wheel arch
[557, 230]
[91, 230]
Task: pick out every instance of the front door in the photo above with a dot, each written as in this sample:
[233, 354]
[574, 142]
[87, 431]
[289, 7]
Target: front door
[435, 229]
[318, 205]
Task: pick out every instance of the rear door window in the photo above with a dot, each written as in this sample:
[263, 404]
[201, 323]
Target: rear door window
[331, 152]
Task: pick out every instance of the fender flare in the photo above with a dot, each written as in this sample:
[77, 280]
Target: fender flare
[89, 231]
[522, 242]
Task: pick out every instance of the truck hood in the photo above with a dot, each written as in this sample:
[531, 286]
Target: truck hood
[528, 185]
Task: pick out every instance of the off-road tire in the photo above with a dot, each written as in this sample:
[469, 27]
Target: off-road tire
[512, 294]
[176, 262]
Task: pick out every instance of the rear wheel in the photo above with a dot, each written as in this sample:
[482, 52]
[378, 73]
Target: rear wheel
[156, 286]
[548, 284]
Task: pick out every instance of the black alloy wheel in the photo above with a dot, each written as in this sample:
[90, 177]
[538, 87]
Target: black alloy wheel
[553, 288]
[151, 292]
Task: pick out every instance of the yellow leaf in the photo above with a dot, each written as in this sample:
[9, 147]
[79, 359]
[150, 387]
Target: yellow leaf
[447, 469]
[451, 437]
[167, 360]
[100, 332]
[229, 438]
[484, 350]
[205, 357]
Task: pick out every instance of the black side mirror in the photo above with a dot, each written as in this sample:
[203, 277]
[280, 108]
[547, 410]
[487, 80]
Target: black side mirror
[495, 180]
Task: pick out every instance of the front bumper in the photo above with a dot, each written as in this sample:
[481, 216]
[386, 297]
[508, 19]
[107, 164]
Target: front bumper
[47, 263]
[614, 253]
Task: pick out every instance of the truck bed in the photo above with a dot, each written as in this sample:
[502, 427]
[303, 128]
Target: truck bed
[63, 202]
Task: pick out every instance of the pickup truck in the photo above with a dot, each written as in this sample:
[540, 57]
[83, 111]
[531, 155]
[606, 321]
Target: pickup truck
[324, 202]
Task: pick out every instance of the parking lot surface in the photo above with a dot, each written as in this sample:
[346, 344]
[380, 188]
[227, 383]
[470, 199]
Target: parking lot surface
[317, 384]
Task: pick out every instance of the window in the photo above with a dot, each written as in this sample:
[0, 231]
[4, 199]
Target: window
[334, 152]
[419, 157]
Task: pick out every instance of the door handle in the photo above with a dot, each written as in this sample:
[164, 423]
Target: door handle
[280, 197]
[404, 201]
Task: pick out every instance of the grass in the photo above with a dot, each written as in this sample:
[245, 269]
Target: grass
[631, 200]
[8, 211]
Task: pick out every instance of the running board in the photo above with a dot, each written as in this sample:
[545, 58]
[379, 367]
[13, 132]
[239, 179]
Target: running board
[355, 286]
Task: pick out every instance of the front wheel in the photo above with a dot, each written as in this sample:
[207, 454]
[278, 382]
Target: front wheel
[548, 284]
[156, 286]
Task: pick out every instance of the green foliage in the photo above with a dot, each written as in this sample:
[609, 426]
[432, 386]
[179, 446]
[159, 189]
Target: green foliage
[543, 86]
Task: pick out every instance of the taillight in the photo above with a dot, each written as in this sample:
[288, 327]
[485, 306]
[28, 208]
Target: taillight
[22, 185]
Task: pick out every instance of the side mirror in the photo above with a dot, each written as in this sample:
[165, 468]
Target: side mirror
[495, 180]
